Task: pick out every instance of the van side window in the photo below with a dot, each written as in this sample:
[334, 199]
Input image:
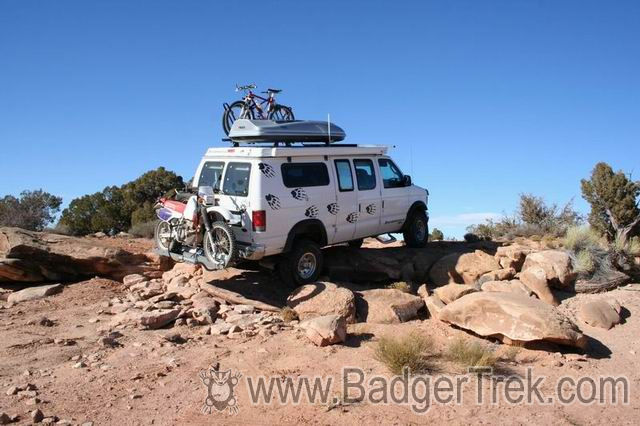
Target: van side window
[236, 179]
[211, 174]
[345, 179]
[365, 174]
[295, 175]
[391, 174]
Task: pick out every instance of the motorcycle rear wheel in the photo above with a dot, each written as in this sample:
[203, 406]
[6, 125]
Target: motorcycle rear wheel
[162, 235]
[220, 247]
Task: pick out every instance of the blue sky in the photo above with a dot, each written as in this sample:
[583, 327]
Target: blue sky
[483, 100]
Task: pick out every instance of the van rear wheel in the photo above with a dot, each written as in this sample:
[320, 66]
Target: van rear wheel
[302, 265]
[416, 232]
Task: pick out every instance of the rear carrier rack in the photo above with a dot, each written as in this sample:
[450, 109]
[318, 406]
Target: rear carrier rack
[249, 131]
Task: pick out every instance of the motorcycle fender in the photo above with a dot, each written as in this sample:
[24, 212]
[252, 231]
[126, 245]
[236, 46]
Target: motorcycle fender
[230, 218]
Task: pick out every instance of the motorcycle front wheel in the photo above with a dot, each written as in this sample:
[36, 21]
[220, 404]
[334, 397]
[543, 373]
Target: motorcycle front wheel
[220, 247]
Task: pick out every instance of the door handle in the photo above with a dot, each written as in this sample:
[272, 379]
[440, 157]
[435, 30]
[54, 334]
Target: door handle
[383, 204]
[359, 208]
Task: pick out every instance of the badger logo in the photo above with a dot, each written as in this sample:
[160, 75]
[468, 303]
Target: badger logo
[371, 209]
[220, 390]
[274, 202]
[266, 170]
[352, 217]
[311, 212]
[333, 208]
[300, 194]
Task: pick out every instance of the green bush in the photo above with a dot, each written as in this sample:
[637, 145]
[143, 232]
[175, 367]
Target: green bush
[116, 209]
[143, 230]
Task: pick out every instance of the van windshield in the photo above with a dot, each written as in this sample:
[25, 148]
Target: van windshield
[211, 174]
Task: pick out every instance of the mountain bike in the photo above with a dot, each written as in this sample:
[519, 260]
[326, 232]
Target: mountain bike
[254, 106]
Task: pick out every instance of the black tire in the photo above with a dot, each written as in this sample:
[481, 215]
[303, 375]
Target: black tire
[232, 113]
[226, 248]
[290, 269]
[356, 243]
[416, 232]
[281, 113]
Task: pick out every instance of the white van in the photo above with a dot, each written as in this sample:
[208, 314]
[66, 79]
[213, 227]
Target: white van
[292, 201]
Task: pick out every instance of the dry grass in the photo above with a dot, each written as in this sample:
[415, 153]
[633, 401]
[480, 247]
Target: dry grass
[509, 353]
[585, 263]
[579, 238]
[471, 354]
[287, 314]
[411, 351]
[400, 285]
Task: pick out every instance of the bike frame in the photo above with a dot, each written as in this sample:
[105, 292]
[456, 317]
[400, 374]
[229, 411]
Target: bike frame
[250, 101]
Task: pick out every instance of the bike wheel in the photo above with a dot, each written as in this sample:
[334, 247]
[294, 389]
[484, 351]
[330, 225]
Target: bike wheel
[281, 113]
[220, 246]
[236, 110]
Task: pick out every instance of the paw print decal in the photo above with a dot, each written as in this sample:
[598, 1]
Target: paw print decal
[333, 208]
[371, 209]
[311, 212]
[274, 202]
[267, 170]
[352, 217]
[300, 194]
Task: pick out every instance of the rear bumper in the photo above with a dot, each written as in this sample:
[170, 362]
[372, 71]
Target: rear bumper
[251, 251]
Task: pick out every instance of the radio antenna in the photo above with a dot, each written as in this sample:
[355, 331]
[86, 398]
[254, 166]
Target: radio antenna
[329, 127]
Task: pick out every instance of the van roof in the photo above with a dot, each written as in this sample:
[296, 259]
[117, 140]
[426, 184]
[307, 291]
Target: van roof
[298, 151]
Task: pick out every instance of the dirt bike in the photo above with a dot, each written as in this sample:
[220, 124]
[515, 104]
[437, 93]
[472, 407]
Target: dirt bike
[191, 229]
[254, 106]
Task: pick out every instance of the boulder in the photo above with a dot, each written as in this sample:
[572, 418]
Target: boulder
[423, 291]
[158, 318]
[387, 306]
[462, 268]
[28, 256]
[513, 316]
[325, 330]
[512, 286]
[451, 292]
[498, 275]
[434, 306]
[512, 256]
[323, 298]
[535, 278]
[134, 279]
[556, 265]
[204, 310]
[600, 313]
[33, 293]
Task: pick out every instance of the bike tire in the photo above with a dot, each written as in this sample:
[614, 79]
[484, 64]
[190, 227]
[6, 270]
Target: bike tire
[281, 113]
[230, 115]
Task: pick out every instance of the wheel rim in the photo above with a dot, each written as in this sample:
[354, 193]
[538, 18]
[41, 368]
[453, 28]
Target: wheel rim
[219, 246]
[307, 265]
[421, 230]
[164, 235]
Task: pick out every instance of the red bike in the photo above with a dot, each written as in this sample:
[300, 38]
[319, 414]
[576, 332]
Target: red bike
[254, 106]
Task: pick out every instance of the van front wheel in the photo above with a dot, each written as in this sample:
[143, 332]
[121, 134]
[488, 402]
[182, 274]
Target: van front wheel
[302, 265]
[416, 232]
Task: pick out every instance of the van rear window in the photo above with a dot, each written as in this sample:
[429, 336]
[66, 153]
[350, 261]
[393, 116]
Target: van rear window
[296, 175]
[236, 179]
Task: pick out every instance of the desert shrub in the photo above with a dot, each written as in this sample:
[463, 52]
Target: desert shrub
[509, 353]
[400, 285]
[411, 351]
[287, 314]
[143, 230]
[579, 238]
[436, 235]
[471, 354]
[116, 209]
[470, 237]
[585, 263]
[33, 210]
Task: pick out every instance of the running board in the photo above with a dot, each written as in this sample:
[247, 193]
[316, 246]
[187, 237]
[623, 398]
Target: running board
[187, 257]
[386, 238]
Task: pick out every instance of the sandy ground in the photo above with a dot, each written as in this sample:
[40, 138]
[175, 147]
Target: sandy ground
[149, 380]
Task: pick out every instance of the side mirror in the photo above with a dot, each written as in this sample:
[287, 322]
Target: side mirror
[406, 180]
